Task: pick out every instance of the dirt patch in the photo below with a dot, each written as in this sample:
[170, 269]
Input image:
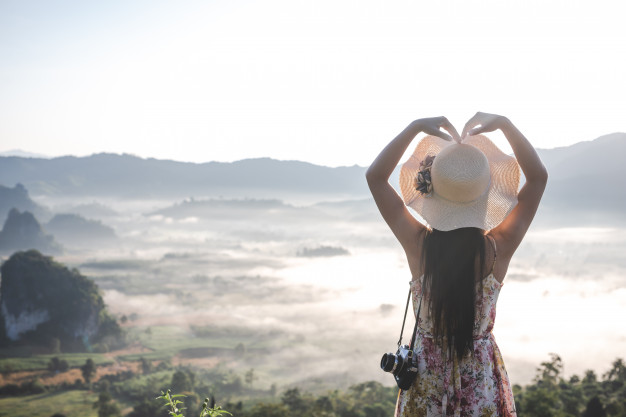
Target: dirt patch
[69, 377]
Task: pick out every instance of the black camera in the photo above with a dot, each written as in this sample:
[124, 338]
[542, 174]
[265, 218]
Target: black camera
[403, 366]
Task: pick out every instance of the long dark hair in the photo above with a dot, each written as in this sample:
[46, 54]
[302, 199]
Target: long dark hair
[453, 264]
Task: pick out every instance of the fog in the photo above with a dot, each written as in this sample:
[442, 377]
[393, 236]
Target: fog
[232, 271]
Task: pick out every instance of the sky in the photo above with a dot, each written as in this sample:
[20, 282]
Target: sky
[330, 82]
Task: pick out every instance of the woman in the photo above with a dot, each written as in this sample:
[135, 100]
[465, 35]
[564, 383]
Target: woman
[467, 191]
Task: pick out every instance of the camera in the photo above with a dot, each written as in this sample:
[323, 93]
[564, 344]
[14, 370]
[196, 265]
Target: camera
[403, 366]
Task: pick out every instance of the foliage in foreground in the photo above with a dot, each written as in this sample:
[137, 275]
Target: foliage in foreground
[173, 403]
[549, 395]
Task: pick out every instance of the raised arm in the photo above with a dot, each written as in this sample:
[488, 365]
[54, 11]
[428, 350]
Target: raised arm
[512, 230]
[391, 206]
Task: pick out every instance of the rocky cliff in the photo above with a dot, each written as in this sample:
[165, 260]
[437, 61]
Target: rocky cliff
[23, 231]
[17, 197]
[42, 300]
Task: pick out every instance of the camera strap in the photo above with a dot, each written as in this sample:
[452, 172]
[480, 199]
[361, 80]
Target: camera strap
[417, 317]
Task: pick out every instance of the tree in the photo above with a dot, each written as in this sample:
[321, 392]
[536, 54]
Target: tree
[294, 401]
[617, 372]
[106, 406]
[323, 405]
[88, 370]
[146, 365]
[56, 365]
[250, 377]
[370, 391]
[270, 410]
[549, 371]
[542, 398]
[240, 349]
[181, 382]
[591, 387]
[594, 408]
[590, 377]
[376, 410]
[148, 409]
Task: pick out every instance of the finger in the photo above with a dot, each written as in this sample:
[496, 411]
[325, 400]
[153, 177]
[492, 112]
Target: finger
[442, 135]
[476, 130]
[453, 132]
[468, 126]
[475, 120]
[451, 129]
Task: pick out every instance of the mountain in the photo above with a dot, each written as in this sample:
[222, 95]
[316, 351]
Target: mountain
[586, 182]
[23, 231]
[24, 154]
[246, 210]
[17, 197]
[584, 186]
[128, 176]
[42, 301]
[75, 229]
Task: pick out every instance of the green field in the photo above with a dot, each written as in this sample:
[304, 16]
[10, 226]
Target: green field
[40, 362]
[70, 403]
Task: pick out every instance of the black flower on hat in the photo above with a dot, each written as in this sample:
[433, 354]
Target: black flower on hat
[423, 182]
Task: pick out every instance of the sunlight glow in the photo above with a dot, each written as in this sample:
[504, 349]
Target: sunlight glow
[325, 82]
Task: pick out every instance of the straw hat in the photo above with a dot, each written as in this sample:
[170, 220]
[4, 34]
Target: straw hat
[453, 185]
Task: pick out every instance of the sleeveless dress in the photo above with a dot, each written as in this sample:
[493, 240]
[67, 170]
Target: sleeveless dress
[476, 387]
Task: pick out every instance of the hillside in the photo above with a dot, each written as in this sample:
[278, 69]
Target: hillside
[18, 198]
[42, 301]
[75, 229]
[22, 231]
[586, 182]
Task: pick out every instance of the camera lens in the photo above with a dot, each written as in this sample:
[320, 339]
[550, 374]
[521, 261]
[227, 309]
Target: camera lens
[387, 362]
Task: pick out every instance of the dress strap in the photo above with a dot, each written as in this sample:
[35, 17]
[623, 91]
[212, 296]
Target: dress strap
[495, 252]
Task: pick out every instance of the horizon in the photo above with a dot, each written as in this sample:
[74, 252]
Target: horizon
[20, 153]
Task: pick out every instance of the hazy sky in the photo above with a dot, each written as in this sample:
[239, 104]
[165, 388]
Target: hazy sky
[324, 81]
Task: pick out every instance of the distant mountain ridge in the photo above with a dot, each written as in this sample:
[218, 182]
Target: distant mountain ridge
[584, 178]
[130, 176]
[586, 181]
[24, 154]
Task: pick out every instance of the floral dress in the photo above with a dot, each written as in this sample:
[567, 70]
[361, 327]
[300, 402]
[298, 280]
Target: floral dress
[475, 387]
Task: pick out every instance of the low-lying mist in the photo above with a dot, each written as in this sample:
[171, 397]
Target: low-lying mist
[314, 294]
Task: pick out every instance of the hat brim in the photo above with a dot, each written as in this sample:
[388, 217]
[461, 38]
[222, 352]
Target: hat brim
[486, 212]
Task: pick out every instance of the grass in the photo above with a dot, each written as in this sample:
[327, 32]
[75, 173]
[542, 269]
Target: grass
[40, 362]
[70, 403]
[168, 341]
